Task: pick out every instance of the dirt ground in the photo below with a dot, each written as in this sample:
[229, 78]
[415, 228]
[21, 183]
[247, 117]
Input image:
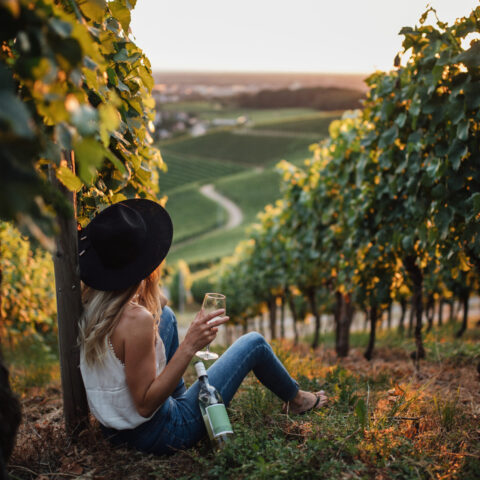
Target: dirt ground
[43, 451]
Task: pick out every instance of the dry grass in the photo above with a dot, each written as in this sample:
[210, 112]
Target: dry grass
[434, 413]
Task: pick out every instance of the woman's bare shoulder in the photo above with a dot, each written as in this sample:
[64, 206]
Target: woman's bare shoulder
[136, 321]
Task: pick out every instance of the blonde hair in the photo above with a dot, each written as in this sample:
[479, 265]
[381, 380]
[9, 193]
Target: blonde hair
[102, 311]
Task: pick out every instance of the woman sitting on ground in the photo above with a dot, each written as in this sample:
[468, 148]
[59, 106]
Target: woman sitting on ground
[131, 361]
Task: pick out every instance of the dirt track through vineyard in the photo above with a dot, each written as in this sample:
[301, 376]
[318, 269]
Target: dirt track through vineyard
[235, 215]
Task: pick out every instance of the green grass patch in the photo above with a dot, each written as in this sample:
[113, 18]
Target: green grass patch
[251, 190]
[186, 169]
[209, 248]
[243, 149]
[193, 214]
[32, 362]
[356, 436]
[382, 419]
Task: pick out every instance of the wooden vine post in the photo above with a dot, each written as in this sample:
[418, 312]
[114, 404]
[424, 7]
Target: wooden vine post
[69, 309]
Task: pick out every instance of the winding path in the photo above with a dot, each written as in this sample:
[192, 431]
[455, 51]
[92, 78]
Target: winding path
[235, 215]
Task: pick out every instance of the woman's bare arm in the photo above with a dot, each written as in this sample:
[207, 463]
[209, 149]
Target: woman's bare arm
[148, 390]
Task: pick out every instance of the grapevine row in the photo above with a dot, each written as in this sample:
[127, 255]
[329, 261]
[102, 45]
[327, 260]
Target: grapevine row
[389, 205]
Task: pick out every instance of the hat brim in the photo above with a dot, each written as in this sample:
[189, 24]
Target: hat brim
[156, 246]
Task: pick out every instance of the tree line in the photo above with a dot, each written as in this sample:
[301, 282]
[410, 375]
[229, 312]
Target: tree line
[320, 98]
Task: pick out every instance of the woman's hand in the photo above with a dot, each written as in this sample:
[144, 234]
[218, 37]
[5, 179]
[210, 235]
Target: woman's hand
[203, 329]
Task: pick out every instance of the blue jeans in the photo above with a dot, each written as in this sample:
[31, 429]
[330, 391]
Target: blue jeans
[178, 423]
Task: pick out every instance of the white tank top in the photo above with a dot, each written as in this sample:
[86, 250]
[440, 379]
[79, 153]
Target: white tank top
[108, 395]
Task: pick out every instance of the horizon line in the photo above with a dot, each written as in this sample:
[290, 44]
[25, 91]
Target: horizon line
[260, 72]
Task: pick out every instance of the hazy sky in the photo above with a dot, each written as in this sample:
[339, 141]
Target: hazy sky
[279, 35]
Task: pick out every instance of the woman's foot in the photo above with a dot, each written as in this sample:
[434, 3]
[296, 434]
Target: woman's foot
[305, 401]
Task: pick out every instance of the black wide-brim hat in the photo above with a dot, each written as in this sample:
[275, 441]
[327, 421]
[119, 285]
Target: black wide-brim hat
[124, 244]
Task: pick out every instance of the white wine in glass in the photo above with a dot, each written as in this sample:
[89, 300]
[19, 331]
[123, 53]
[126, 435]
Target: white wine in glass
[211, 302]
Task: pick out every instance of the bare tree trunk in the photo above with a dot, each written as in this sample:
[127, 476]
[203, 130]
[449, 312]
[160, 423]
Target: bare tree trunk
[451, 308]
[411, 317]
[465, 301]
[291, 305]
[272, 310]
[430, 311]
[365, 320]
[69, 309]
[343, 320]
[417, 280]
[401, 322]
[389, 316]
[440, 311]
[373, 325]
[457, 310]
[313, 307]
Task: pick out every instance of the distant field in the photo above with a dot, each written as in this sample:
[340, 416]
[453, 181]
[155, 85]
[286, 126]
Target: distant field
[193, 214]
[247, 150]
[317, 124]
[210, 247]
[184, 169]
[210, 110]
[251, 191]
[239, 162]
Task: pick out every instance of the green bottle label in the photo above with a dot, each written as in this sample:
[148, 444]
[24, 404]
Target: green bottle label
[218, 419]
[208, 426]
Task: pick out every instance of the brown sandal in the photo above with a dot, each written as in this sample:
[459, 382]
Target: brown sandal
[319, 395]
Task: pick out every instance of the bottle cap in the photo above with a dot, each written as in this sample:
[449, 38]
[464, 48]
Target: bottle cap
[200, 369]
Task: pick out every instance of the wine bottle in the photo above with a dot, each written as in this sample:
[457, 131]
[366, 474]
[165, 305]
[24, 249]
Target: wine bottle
[213, 409]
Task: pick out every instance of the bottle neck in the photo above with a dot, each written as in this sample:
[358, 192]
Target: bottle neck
[204, 379]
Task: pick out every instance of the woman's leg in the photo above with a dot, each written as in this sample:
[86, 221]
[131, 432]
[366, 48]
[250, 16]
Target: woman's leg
[251, 352]
[179, 423]
[169, 334]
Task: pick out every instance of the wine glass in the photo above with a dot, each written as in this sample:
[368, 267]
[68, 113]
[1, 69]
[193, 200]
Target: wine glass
[211, 302]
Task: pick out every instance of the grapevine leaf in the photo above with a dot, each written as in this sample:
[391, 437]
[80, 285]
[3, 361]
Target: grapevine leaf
[116, 162]
[61, 28]
[401, 119]
[462, 130]
[361, 412]
[14, 113]
[90, 155]
[121, 13]
[475, 198]
[85, 118]
[456, 152]
[471, 57]
[388, 137]
[93, 9]
[63, 136]
[109, 121]
[69, 179]
[472, 96]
